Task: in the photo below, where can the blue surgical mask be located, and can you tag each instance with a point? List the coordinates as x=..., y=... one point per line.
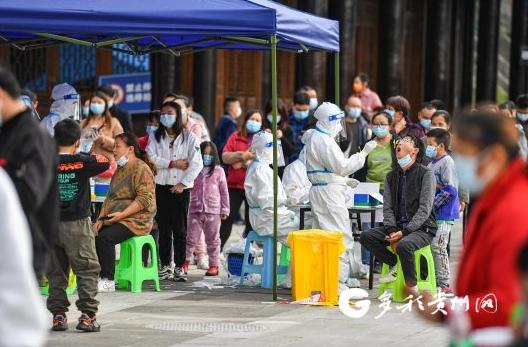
x=380, y=130
x=208, y=160
x=151, y=129
x=85, y=111
x=523, y=117
x=403, y=162
x=97, y=108
x=110, y=103
x=270, y=118
x=431, y=151
x=354, y=112
x=313, y=103
x=168, y=120
x=300, y=115
x=390, y=112
x=425, y=123
x=466, y=169
x=253, y=126
x=122, y=161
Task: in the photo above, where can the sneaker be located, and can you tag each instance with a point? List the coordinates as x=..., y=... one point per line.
x=179, y=275
x=212, y=271
x=365, y=270
x=390, y=277
x=185, y=267
x=106, y=286
x=448, y=293
x=88, y=324
x=202, y=264
x=166, y=273
x=60, y=323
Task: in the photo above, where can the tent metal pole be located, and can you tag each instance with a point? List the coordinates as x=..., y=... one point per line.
x=66, y=39
x=119, y=40
x=250, y=40
x=336, y=77
x=273, y=42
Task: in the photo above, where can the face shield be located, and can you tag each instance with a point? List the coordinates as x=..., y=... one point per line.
x=67, y=106
x=262, y=146
x=338, y=123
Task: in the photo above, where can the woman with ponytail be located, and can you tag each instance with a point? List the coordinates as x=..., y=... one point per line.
x=129, y=207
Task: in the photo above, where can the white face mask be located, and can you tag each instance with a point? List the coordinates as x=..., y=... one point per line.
x=313, y=103
x=238, y=112
x=122, y=161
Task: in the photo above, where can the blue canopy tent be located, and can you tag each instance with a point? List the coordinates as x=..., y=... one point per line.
x=175, y=27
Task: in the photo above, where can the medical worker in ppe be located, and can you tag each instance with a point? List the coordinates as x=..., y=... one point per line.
x=66, y=104
x=259, y=192
x=297, y=186
x=328, y=170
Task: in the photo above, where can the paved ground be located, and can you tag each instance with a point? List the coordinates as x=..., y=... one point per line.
x=180, y=315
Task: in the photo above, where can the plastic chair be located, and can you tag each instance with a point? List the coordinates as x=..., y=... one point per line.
x=284, y=260
x=424, y=284
x=266, y=268
x=70, y=290
x=130, y=268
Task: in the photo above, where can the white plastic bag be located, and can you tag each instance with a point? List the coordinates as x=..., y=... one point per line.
x=354, y=257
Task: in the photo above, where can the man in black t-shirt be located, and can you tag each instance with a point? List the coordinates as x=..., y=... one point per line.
x=75, y=246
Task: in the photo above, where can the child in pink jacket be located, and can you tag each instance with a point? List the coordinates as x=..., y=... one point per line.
x=208, y=207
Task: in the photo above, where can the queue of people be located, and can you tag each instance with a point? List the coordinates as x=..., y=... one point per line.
x=190, y=190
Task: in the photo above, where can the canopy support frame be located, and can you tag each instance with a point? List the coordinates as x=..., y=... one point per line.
x=274, y=97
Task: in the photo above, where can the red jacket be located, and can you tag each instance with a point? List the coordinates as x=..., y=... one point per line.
x=236, y=143
x=496, y=231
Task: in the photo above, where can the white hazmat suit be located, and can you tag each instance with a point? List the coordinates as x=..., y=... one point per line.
x=66, y=104
x=259, y=192
x=328, y=170
x=297, y=186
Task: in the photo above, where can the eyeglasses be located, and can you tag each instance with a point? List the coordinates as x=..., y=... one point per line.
x=380, y=125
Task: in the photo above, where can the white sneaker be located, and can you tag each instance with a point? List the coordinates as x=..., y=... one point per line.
x=166, y=273
x=105, y=286
x=203, y=264
x=179, y=275
x=390, y=277
x=365, y=271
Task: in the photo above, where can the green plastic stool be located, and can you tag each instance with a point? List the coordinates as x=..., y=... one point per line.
x=284, y=260
x=397, y=286
x=70, y=290
x=130, y=269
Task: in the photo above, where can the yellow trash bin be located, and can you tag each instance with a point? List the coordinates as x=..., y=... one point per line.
x=315, y=263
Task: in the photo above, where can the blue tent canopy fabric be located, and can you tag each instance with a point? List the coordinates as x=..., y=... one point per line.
x=296, y=27
x=157, y=24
